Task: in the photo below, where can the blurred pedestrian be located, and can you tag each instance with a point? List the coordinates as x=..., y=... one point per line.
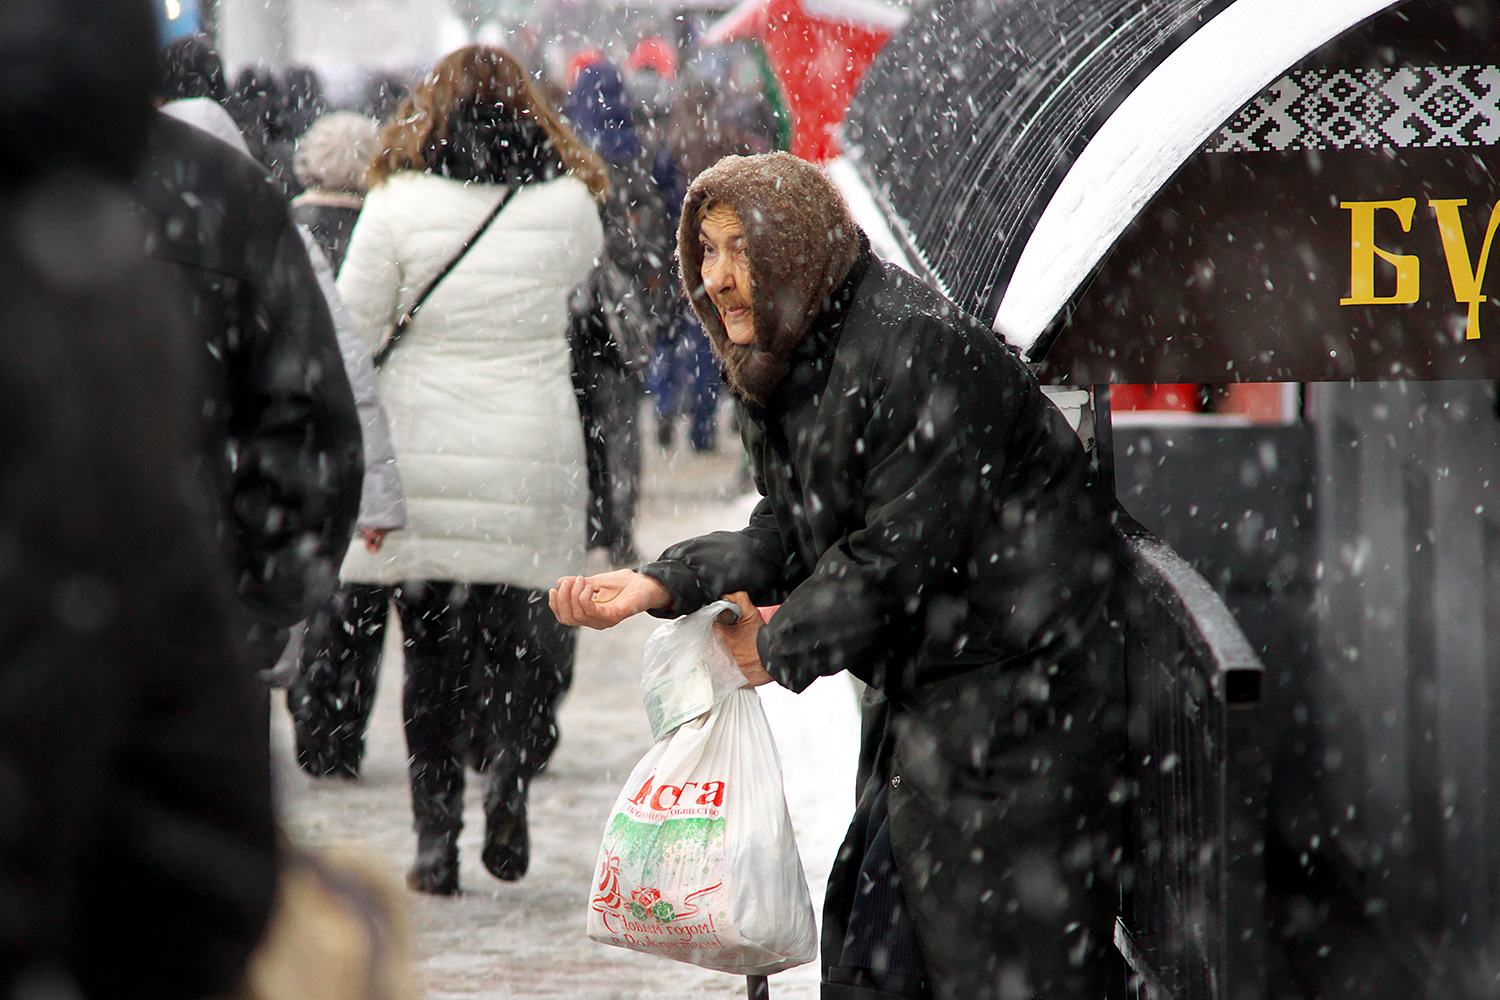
x=302, y=90
x=383, y=93
x=331, y=160
x=332, y=691
x=330, y=698
x=281, y=442
x=293, y=103
x=252, y=103
x=330, y=701
x=700, y=134
x=190, y=68
x=684, y=377
x=137, y=852
x=481, y=218
x=618, y=314
x=650, y=70
x=930, y=523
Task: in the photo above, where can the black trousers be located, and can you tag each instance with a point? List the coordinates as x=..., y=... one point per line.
x=486, y=667
x=609, y=403
x=331, y=699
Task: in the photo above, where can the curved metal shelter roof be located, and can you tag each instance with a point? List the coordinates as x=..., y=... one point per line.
x=1010, y=144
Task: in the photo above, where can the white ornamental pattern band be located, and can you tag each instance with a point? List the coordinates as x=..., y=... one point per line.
x=1409, y=107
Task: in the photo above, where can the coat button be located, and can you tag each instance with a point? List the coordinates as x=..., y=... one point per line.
x=895, y=781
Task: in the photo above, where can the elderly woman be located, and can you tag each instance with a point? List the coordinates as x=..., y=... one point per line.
x=928, y=523
x=486, y=432
x=331, y=160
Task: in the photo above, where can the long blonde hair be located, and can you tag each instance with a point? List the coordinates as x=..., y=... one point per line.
x=474, y=76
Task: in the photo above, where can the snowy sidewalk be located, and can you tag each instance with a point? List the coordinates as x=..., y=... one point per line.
x=500, y=941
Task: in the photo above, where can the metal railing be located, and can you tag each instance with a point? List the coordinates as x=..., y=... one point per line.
x=1192, y=920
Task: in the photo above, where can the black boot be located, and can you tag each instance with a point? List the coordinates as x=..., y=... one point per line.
x=507, y=842
x=435, y=872
x=437, y=811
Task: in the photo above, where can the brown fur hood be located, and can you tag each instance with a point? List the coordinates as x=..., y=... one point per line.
x=801, y=242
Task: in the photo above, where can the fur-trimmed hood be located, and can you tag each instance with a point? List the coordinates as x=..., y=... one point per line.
x=800, y=241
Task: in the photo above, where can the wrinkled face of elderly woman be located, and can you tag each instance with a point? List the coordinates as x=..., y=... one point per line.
x=726, y=272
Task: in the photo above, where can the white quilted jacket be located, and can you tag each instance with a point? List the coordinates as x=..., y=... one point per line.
x=482, y=413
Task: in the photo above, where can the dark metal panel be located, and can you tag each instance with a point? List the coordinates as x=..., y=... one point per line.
x=1489, y=883
x=1423, y=770
x=1460, y=674
x=1378, y=552
x=1410, y=632
x=1193, y=925
x=1235, y=501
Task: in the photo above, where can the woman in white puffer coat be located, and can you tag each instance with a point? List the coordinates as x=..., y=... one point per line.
x=487, y=435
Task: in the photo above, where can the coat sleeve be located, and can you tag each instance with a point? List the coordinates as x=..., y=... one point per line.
x=382, y=502
x=299, y=469
x=701, y=570
x=370, y=279
x=968, y=464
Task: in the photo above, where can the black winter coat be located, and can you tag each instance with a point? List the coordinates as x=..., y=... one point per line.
x=930, y=524
x=282, y=449
x=330, y=225
x=136, y=827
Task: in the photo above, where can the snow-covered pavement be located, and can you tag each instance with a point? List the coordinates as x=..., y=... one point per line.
x=500, y=940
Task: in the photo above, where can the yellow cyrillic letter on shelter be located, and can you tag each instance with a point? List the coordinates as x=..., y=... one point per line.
x=1466, y=280
x=1363, y=251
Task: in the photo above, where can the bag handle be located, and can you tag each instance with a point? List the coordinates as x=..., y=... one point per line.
x=399, y=331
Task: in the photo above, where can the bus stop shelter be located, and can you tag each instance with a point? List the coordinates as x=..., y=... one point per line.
x=1219, y=191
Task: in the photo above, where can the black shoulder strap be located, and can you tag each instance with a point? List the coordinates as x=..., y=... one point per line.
x=405, y=321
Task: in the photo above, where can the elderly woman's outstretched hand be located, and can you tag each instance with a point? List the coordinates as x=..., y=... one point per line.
x=606, y=599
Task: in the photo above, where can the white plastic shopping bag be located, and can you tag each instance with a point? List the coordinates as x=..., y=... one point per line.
x=698, y=862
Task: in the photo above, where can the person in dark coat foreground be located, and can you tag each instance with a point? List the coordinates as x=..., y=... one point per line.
x=929, y=523
x=137, y=839
x=137, y=852
x=282, y=446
